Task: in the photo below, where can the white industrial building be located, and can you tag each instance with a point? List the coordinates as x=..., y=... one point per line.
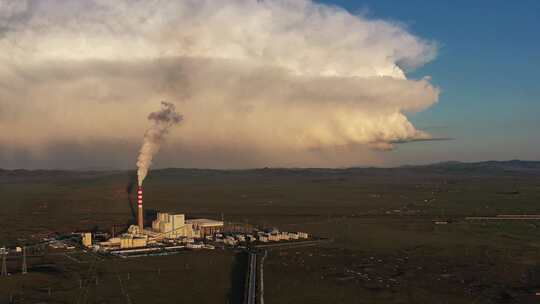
x=173, y=226
x=176, y=226
x=133, y=238
x=206, y=226
x=87, y=239
x=125, y=241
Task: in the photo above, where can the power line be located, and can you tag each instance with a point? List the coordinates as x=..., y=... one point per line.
x=24, y=266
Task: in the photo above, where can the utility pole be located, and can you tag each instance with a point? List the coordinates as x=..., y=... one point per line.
x=4, y=266
x=24, y=267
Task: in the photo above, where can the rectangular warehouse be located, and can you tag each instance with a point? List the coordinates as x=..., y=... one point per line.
x=206, y=226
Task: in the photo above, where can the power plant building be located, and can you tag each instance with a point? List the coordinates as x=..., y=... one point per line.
x=165, y=226
x=173, y=226
x=205, y=226
x=125, y=241
x=87, y=239
x=129, y=241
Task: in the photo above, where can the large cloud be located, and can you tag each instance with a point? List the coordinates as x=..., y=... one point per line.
x=274, y=81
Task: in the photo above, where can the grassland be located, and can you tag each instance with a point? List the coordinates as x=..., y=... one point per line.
x=385, y=249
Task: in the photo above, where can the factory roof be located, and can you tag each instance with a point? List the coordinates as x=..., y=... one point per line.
x=204, y=222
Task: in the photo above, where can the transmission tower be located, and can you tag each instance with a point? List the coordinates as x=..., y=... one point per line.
x=4, y=267
x=24, y=268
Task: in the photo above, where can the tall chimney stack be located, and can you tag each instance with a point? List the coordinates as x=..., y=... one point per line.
x=140, y=217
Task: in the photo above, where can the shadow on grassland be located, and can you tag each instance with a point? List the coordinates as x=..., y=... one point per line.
x=129, y=189
x=238, y=278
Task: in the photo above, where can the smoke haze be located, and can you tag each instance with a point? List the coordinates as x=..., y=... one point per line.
x=162, y=121
x=280, y=83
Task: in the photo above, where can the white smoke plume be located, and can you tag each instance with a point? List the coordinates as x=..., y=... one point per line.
x=162, y=121
x=264, y=83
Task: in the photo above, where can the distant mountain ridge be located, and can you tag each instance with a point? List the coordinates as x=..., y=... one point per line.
x=513, y=162
x=486, y=167
x=509, y=166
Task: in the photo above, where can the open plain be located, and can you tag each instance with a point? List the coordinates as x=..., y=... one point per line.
x=397, y=235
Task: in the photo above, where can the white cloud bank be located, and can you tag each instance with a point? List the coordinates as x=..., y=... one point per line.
x=275, y=81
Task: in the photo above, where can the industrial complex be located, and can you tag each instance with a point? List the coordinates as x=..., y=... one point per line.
x=170, y=233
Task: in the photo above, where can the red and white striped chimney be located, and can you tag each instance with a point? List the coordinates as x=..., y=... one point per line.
x=140, y=217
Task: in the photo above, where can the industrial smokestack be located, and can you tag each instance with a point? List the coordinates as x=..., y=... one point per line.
x=162, y=121
x=140, y=216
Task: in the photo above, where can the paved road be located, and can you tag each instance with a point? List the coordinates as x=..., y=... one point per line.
x=261, y=279
x=252, y=280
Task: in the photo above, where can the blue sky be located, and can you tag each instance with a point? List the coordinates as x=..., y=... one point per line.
x=487, y=68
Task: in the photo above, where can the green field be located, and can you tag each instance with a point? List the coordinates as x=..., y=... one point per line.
x=385, y=248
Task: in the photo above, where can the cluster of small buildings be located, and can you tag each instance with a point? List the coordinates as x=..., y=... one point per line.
x=275, y=235
x=271, y=235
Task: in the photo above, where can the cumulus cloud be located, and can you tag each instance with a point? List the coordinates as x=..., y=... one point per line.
x=280, y=82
